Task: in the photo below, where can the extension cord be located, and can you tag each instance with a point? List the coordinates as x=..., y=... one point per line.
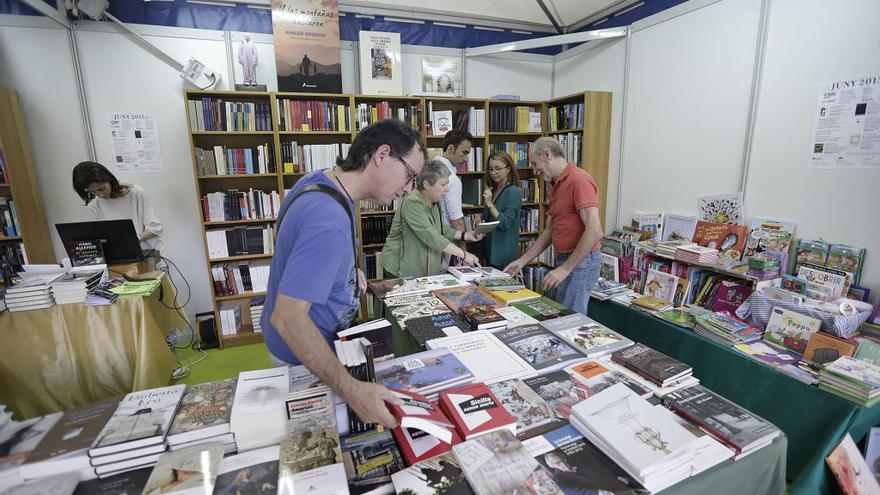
x=178, y=373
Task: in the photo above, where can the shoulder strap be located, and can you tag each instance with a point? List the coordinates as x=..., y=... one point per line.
x=333, y=193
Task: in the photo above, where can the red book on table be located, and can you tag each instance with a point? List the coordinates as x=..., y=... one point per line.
x=474, y=410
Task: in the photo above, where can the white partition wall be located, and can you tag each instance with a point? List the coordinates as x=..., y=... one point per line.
x=811, y=43
x=524, y=74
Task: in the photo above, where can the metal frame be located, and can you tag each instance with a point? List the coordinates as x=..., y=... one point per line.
x=755, y=95
x=562, y=39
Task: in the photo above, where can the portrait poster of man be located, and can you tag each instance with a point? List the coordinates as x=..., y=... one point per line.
x=307, y=55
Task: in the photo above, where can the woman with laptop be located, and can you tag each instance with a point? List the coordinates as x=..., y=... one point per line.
x=108, y=199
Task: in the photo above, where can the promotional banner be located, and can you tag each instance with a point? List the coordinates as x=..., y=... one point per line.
x=306, y=36
x=380, y=63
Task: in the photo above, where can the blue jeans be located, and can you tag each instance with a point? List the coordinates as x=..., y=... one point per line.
x=574, y=291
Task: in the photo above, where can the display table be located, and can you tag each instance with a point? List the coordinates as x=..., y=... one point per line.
x=70, y=355
x=762, y=472
x=814, y=421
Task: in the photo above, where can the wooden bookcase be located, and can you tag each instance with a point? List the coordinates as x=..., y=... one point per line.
x=596, y=136
x=22, y=187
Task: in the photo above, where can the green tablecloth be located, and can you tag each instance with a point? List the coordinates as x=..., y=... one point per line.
x=814, y=421
x=760, y=473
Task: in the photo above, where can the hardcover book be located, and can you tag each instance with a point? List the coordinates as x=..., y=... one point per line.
x=482, y=317
x=770, y=236
x=532, y=413
x=458, y=298
x=425, y=328
x=204, y=411
x=660, y=285
x=542, y=308
x=651, y=364
x=141, y=419
x=425, y=373
x=485, y=356
x=497, y=463
x=370, y=459
x=515, y=317
x=440, y=475
x=849, y=467
x=188, y=470
x=129, y=483
x=790, y=329
x=728, y=239
x=587, y=336
x=824, y=348
x=730, y=295
x=475, y=410
x=513, y=296
x=597, y=378
x=838, y=280
x=679, y=228
x=540, y=348
x=249, y=472
x=650, y=222
x=721, y=208
x=560, y=390
x=578, y=466
x=609, y=269
x=417, y=412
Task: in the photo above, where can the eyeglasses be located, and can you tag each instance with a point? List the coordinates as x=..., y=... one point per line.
x=497, y=169
x=410, y=172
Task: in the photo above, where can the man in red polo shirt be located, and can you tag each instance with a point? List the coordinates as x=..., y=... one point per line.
x=573, y=226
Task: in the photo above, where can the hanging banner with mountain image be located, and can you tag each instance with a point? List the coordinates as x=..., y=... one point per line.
x=307, y=56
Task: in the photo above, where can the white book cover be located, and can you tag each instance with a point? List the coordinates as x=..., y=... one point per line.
x=488, y=359
x=189, y=471
x=442, y=122
x=587, y=336
x=679, y=227
x=644, y=435
x=649, y=222
x=660, y=285
x=141, y=415
x=257, y=467
x=311, y=462
x=610, y=268
x=515, y=317
x=381, y=70
x=258, y=417
x=473, y=419
x=721, y=208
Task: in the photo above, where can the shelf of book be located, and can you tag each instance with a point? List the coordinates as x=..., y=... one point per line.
x=565, y=131
x=536, y=134
x=240, y=258
x=376, y=213
x=722, y=270
x=239, y=222
x=315, y=133
x=235, y=176
x=244, y=295
x=232, y=133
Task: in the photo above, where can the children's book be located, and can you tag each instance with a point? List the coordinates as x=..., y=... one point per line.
x=790, y=329
x=721, y=208
x=679, y=227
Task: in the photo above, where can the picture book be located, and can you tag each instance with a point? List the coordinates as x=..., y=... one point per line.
x=868, y=350
x=424, y=307
x=540, y=348
x=651, y=364
x=790, y=329
x=425, y=328
x=512, y=296
x=837, y=280
x=497, y=463
x=609, y=269
x=542, y=308
x=650, y=222
x=204, y=411
x=439, y=475
x=142, y=418
x=824, y=348
x=311, y=459
x=678, y=317
x=475, y=410
x=721, y=208
x=469, y=295
x=578, y=466
x=185, y=469
x=248, y=471
x=794, y=284
x=679, y=227
x=660, y=285
x=425, y=370
x=730, y=295
x=769, y=236
x=768, y=353
x=532, y=413
x=587, y=336
x=728, y=239
x=850, y=469
x=846, y=259
x=369, y=459
x=560, y=390
x=597, y=378
x=128, y=483
x=815, y=252
x=418, y=299
x=485, y=356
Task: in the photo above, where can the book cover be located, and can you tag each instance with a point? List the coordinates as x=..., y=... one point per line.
x=824, y=348
x=311, y=462
x=403, y=286
x=678, y=317
x=185, y=470
x=651, y=303
x=532, y=413
x=440, y=475
x=679, y=228
x=653, y=365
x=427, y=369
x=425, y=328
x=130, y=483
x=417, y=412
x=560, y=390
x=380, y=66
x=538, y=347
x=251, y=472
x=849, y=467
x=205, y=408
x=839, y=281
x=75, y=431
x=872, y=452
x=650, y=222
x=769, y=236
x=485, y=356
x=587, y=336
x=20, y=438
x=370, y=459
x=465, y=272
x=481, y=317
x=730, y=295
x=721, y=418
x=771, y=354
x=474, y=410
x=442, y=122
x=499, y=282
x=597, y=378
x=790, y=329
x=578, y=466
x=310, y=410
x=515, y=317
x=497, y=463
x=512, y=296
x=423, y=307
x=609, y=269
x=728, y=239
x=457, y=298
x=721, y=208
x=140, y=416
x=542, y=308
x=307, y=55
x=660, y=285
x=418, y=299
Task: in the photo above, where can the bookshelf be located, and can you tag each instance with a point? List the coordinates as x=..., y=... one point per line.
x=295, y=150
x=19, y=185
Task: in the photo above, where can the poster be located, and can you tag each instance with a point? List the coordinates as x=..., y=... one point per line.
x=380, y=63
x=135, y=140
x=846, y=133
x=441, y=75
x=307, y=56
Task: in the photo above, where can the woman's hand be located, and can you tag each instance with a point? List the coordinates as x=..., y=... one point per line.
x=472, y=236
x=487, y=198
x=471, y=259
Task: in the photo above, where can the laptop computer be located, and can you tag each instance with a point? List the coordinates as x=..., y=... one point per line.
x=117, y=238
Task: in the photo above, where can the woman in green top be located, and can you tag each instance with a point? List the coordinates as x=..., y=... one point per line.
x=503, y=203
x=418, y=238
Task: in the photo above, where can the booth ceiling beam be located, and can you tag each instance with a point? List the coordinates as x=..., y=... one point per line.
x=48, y=11
x=562, y=39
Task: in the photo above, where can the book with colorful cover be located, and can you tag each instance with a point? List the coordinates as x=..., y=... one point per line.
x=678, y=317
x=790, y=329
x=768, y=353
x=721, y=208
x=824, y=348
x=475, y=410
x=532, y=413
x=497, y=463
x=310, y=459
x=512, y=296
x=660, y=285
x=200, y=463
x=417, y=412
x=560, y=390
x=425, y=307
x=141, y=419
x=440, y=475
x=578, y=466
x=838, y=280
x=248, y=472
x=730, y=295
x=542, y=308
x=868, y=350
x=370, y=458
x=794, y=284
x=769, y=236
x=425, y=328
x=651, y=364
x=482, y=317
x=586, y=335
x=679, y=227
x=652, y=303
x=728, y=239
x=515, y=317
x=403, y=286
x=609, y=269
x=418, y=299
x=650, y=222
x=850, y=469
x=458, y=298
x=598, y=377
x=501, y=282
x=539, y=347
x=425, y=370
x=204, y=411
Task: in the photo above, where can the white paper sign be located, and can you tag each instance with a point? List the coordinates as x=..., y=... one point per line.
x=135, y=139
x=846, y=133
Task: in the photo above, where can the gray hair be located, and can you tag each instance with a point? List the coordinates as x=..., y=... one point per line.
x=431, y=173
x=547, y=143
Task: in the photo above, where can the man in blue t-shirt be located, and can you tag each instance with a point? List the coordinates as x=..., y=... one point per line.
x=314, y=284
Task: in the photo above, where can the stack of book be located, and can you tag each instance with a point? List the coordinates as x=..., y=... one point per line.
x=424, y=430
x=651, y=304
x=75, y=286
x=653, y=365
x=357, y=357
x=606, y=289
x=858, y=381
x=101, y=295
x=134, y=437
x=644, y=440
x=670, y=248
x=482, y=317
x=258, y=418
x=256, y=308
x=230, y=318
x=505, y=282
x=30, y=293
x=695, y=254
x=427, y=373
x=203, y=416
x=723, y=328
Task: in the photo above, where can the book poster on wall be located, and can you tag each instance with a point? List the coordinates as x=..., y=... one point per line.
x=380, y=63
x=135, y=140
x=441, y=75
x=306, y=34
x=846, y=133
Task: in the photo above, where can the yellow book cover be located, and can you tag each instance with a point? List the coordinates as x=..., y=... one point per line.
x=341, y=112
x=512, y=296
x=652, y=303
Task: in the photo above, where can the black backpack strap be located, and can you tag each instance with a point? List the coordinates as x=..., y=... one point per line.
x=333, y=193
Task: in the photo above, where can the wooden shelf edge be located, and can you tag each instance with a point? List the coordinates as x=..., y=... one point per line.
x=239, y=258
x=237, y=176
x=245, y=295
x=238, y=222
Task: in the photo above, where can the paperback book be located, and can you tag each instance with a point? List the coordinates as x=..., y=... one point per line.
x=515, y=317
x=824, y=348
x=849, y=467
x=258, y=414
x=651, y=364
x=426, y=373
x=141, y=419
x=485, y=356
x=189, y=470
x=475, y=410
x=427, y=306
x=370, y=458
x=440, y=475
x=458, y=298
x=597, y=378
x=425, y=328
x=129, y=483
x=541, y=349
x=249, y=472
x=204, y=412
x=679, y=227
x=560, y=390
x=311, y=462
x=542, y=308
x=590, y=338
x=532, y=413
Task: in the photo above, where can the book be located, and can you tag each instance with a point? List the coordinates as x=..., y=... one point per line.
x=770, y=236
x=425, y=328
x=440, y=475
x=378, y=332
x=650, y=222
x=538, y=347
x=542, y=308
x=258, y=416
x=442, y=122
x=679, y=227
x=475, y=410
x=403, y=286
x=254, y=471
x=824, y=348
x=485, y=356
x=651, y=364
x=369, y=459
x=424, y=306
x=189, y=470
x=597, y=378
x=418, y=445
x=426, y=373
x=587, y=336
x=730, y=295
x=609, y=268
x=660, y=285
x=678, y=317
x=311, y=461
x=560, y=390
x=850, y=469
x=768, y=353
x=129, y=483
x=380, y=68
x=515, y=317
x=790, y=329
x=310, y=410
x=204, y=412
x=721, y=208
x=498, y=463
x=458, y=298
x=578, y=466
x=18, y=439
x=63, y=484
x=514, y=296
x=417, y=412
x=465, y=273
x=652, y=303
x=838, y=281
x=482, y=317
x=728, y=239
x=532, y=413
x=500, y=282
x=872, y=452
x=141, y=419
x=724, y=420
